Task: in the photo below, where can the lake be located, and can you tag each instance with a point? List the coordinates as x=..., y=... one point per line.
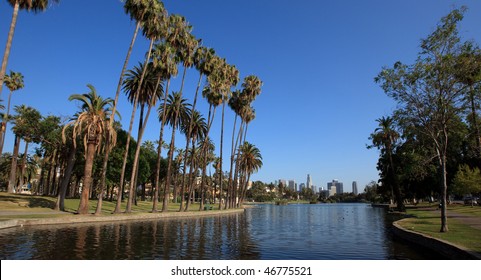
x=266, y=232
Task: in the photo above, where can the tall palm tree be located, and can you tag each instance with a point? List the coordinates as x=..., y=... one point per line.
x=154, y=27
x=385, y=138
x=137, y=9
x=29, y=5
x=177, y=112
x=250, y=161
x=25, y=121
x=92, y=122
x=165, y=60
x=197, y=128
x=14, y=82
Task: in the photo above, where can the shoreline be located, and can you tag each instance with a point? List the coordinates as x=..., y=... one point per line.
x=91, y=218
x=442, y=247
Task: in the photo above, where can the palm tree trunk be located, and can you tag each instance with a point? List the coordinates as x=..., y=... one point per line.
x=13, y=167
x=187, y=144
x=23, y=164
x=117, y=93
x=103, y=178
x=6, y=54
x=159, y=154
x=60, y=205
x=230, y=189
x=4, y=123
x=87, y=181
x=133, y=177
x=221, y=146
x=169, y=167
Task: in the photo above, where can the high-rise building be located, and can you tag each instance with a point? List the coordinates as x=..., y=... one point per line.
x=354, y=188
x=309, y=182
x=292, y=185
x=335, y=183
x=301, y=186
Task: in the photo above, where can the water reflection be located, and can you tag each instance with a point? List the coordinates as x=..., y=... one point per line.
x=349, y=231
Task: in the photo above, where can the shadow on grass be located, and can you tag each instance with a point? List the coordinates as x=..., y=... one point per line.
x=29, y=201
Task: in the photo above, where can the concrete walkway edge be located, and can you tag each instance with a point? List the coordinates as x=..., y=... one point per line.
x=90, y=218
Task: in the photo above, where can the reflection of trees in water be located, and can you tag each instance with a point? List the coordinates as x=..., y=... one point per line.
x=219, y=237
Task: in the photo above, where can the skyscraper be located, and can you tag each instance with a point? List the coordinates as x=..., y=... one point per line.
x=309, y=182
x=354, y=188
x=292, y=185
x=335, y=183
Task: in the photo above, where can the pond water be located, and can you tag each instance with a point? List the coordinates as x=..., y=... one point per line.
x=267, y=232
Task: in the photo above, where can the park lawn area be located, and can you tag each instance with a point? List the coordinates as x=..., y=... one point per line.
x=30, y=206
x=429, y=222
x=466, y=210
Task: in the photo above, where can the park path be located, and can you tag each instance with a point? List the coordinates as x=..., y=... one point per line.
x=469, y=220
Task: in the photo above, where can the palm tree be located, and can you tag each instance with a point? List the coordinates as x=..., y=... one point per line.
x=29, y=5
x=250, y=161
x=177, y=112
x=14, y=82
x=137, y=9
x=92, y=122
x=25, y=121
x=165, y=60
x=153, y=28
x=385, y=138
x=198, y=128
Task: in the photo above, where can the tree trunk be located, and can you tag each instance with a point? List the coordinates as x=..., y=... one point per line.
x=169, y=168
x=22, y=166
x=133, y=176
x=60, y=205
x=6, y=54
x=87, y=181
x=103, y=178
x=13, y=167
x=444, y=189
x=221, y=145
x=117, y=93
x=159, y=155
x=188, y=136
x=4, y=123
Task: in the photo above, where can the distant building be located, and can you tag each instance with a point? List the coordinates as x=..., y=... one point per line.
x=301, y=186
x=291, y=184
x=309, y=182
x=339, y=188
x=332, y=191
x=354, y=188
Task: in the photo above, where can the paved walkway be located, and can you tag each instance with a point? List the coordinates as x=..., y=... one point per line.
x=471, y=221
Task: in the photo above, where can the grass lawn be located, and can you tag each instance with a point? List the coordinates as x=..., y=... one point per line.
x=29, y=206
x=429, y=222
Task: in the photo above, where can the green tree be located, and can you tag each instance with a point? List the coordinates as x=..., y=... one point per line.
x=429, y=92
x=385, y=138
x=467, y=181
x=92, y=122
x=14, y=82
x=25, y=122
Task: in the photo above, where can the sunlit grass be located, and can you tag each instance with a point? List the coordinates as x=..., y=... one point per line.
x=429, y=222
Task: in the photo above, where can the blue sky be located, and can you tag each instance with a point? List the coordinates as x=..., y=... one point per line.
x=317, y=59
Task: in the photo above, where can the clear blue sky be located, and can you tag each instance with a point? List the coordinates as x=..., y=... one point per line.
x=317, y=60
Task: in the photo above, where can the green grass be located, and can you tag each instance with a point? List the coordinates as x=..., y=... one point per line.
x=429, y=222
x=29, y=206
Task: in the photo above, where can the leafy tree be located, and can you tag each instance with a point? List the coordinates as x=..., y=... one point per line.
x=429, y=92
x=467, y=181
x=91, y=122
x=14, y=82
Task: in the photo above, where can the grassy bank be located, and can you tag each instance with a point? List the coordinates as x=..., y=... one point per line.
x=428, y=221
x=21, y=206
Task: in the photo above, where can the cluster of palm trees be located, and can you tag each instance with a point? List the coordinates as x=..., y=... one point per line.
x=172, y=47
